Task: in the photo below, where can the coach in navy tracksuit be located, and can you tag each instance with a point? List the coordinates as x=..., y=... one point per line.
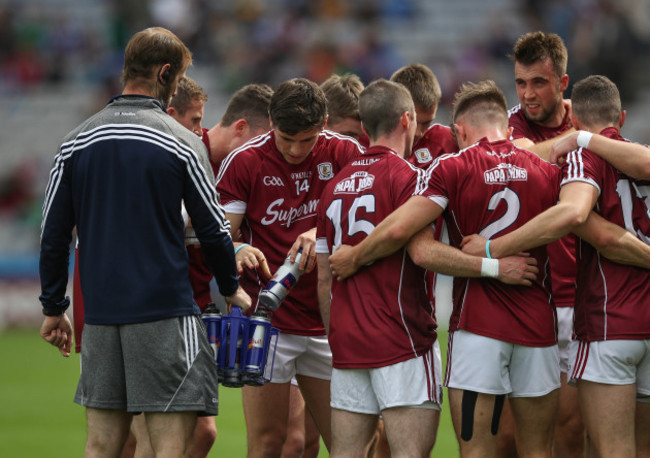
x=120, y=178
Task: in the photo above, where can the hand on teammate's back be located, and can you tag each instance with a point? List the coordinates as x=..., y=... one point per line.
x=518, y=270
x=342, y=263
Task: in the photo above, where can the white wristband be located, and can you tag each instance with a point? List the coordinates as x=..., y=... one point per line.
x=583, y=138
x=490, y=268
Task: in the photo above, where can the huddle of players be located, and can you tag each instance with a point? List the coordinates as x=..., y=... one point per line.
x=300, y=186
x=503, y=337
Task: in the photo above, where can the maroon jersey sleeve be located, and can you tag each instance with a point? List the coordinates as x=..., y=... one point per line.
x=236, y=174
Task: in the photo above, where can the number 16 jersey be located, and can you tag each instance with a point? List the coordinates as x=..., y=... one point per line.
x=381, y=315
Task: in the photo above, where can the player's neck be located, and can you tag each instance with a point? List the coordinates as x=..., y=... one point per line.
x=492, y=133
x=393, y=142
x=556, y=120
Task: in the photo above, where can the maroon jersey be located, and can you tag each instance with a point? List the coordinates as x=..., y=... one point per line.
x=522, y=128
x=492, y=189
x=437, y=140
x=200, y=274
x=279, y=201
x=562, y=251
x=612, y=300
x=364, y=141
x=381, y=315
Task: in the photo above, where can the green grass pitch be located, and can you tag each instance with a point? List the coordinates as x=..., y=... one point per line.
x=38, y=417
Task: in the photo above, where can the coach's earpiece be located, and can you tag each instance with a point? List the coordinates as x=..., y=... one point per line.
x=164, y=76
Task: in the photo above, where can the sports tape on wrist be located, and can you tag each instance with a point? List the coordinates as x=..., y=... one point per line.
x=583, y=138
x=490, y=268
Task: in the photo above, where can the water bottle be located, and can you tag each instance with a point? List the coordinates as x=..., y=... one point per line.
x=212, y=320
x=236, y=332
x=256, y=353
x=281, y=283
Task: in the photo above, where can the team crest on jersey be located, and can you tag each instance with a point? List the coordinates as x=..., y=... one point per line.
x=325, y=171
x=355, y=183
x=423, y=155
x=505, y=173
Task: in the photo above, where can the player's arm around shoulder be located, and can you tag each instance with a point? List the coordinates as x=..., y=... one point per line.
x=614, y=242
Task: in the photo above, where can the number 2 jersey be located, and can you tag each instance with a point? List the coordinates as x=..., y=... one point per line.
x=279, y=202
x=381, y=315
x=491, y=189
x=612, y=300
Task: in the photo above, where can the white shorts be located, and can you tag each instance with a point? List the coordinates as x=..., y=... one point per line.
x=416, y=382
x=564, y=335
x=613, y=362
x=304, y=355
x=491, y=366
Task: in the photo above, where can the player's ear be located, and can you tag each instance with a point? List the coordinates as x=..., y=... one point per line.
x=240, y=126
x=564, y=82
x=622, y=119
x=406, y=118
x=459, y=130
x=164, y=74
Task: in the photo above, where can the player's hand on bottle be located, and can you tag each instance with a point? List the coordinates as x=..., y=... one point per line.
x=306, y=241
x=563, y=146
x=474, y=244
x=342, y=263
x=57, y=330
x=518, y=270
x=240, y=299
x=249, y=257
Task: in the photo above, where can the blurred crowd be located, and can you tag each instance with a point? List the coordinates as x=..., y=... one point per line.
x=59, y=43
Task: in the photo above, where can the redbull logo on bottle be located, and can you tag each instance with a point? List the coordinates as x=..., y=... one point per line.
x=242, y=346
x=279, y=286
